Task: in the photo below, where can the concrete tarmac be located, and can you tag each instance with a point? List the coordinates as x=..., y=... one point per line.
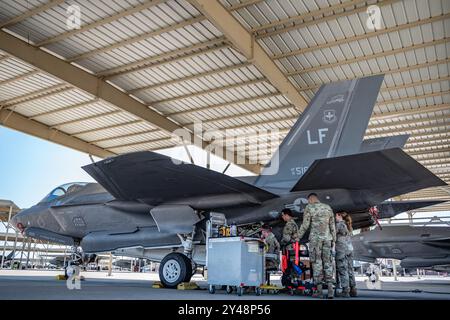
x=96, y=286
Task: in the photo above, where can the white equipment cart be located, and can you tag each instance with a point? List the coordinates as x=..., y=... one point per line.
x=235, y=262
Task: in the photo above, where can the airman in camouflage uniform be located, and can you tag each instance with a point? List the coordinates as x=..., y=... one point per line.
x=320, y=218
x=290, y=230
x=272, y=248
x=342, y=254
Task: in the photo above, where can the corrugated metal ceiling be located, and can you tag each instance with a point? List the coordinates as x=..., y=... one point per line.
x=170, y=57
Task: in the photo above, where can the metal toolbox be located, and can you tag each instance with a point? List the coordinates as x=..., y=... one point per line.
x=235, y=262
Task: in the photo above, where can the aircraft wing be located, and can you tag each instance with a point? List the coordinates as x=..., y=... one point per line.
x=389, y=209
x=379, y=175
x=155, y=179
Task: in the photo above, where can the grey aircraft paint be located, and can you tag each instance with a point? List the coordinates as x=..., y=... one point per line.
x=143, y=197
x=415, y=246
x=333, y=125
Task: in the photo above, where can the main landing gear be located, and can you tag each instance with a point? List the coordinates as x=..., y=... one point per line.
x=73, y=262
x=178, y=267
x=175, y=268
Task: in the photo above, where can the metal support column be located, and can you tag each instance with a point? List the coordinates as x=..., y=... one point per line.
x=410, y=217
x=28, y=253
x=21, y=252
x=6, y=236
x=46, y=249
x=14, y=250
x=33, y=261
x=110, y=265
x=65, y=256
x=394, y=269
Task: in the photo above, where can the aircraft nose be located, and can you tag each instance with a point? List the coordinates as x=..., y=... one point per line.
x=17, y=220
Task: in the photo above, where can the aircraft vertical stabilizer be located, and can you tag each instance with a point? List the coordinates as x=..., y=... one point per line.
x=332, y=125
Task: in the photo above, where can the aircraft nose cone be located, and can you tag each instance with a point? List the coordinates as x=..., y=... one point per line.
x=18, y=222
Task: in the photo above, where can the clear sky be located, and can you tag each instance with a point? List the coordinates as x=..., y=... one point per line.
x=31, y=167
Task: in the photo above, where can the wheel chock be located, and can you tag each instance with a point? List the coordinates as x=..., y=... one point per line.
x=270, y=287
x=187, y=286
x=63, y=277
x=157, y=285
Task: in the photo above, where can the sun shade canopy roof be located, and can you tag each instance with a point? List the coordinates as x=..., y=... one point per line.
x=136, y=70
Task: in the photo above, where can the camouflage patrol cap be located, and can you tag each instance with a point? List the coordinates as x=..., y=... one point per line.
x=312, y=194
x=286, y=211
x=265, y=226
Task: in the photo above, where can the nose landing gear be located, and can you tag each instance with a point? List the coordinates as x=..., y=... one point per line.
x=175, y=268
x=75, y=259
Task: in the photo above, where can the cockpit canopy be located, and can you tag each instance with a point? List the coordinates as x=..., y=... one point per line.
x=64, y=190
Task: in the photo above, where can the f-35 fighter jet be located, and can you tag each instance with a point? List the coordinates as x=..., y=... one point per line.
x=145, y=205
x=415, y=246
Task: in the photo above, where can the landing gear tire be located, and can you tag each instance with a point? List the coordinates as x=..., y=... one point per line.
x=189, y=274
x=175, y=268
x=66, y=276
x=211, y=289
x=69, y=270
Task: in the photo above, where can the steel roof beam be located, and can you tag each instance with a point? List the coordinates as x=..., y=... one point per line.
x=92, y=117
x=283, y=131
x=251, y=49
x=135, y=39
x=390, y=71
x=434, y=161
x=160, y=59
x=174, y=60
x=409, y=130
x=221, y=105
x=418, y=143
x=408, y=112
x=423, y=110
x=19, y=77
x=419, y=135
x=237, y=85
x=30, y=13
x=369, y=133
x=428, y=151
x=18, y=122
x=364, y=36
x=4, y=57
x=191, y=77
x=209, y=91
x=134, y=144
x=246, y=64
x=416, y=137
x=243, y=4
x=419, y=153
x=63, y=109
x=369, y=57
x=94, y=86
x=373, y=126
x=302, y=18
x=38, y=94
x=108, y=127
x=331, y=16
x=442, y=107
x=126, y=12
x=128, y=135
